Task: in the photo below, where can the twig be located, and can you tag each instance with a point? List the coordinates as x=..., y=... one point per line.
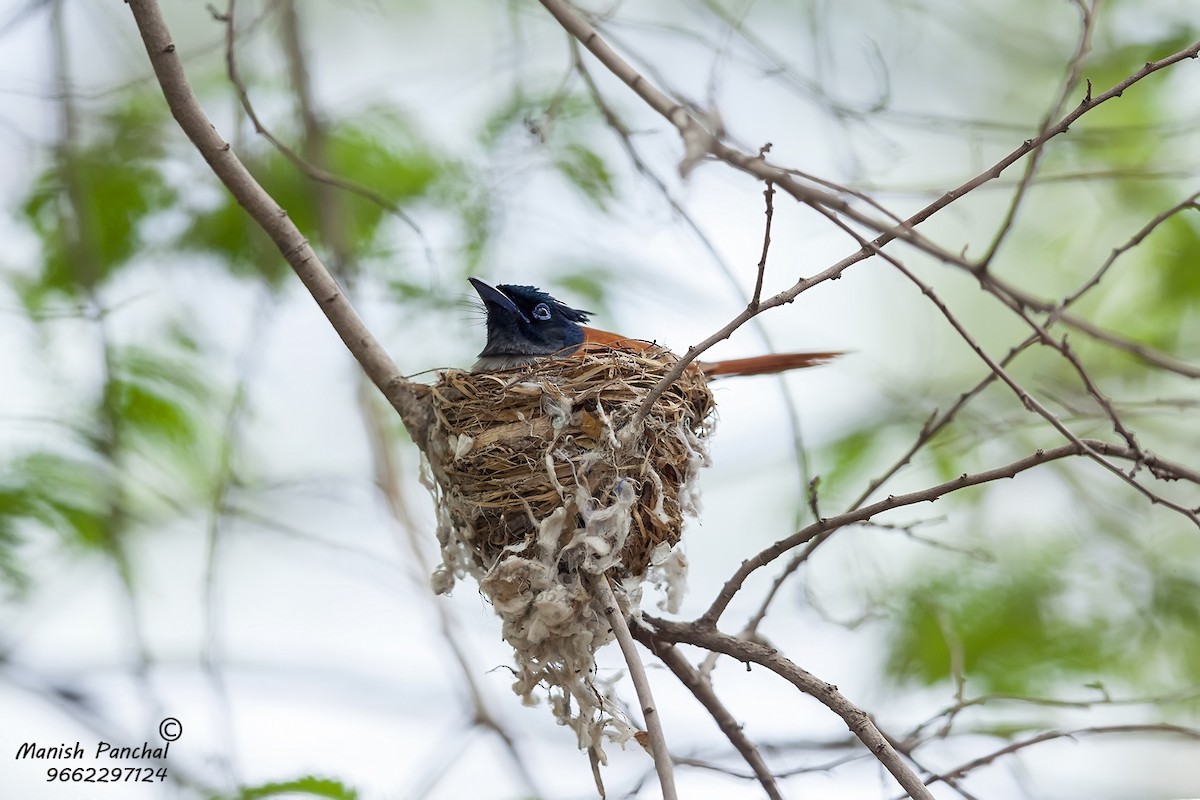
x=409, y=537
x=79, y=226
x=641, y=684
x=958, y=657
x=951, y=712
x=223, y=483
x=1082, y=48
x=856, y=719
x=957, y=772
x=331, y=224
x=769, y=194
x=1186, y=204
x=906, y=747
x=701, y=688
x=1027, y=399
x=618, y=127
x=1058, y=311
x=936, y=423
x=1164, y=469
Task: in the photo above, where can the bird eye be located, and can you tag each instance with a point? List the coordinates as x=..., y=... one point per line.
x=541, y=311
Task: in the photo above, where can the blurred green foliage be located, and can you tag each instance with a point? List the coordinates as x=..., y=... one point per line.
x=1010, y=620
x=308, y=786
x=1035, y=619
x=87, y=208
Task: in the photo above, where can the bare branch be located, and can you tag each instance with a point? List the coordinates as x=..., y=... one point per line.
x=1027, y=399
x=1164, y=470
x=856, y=719
x=637, y=672
x=950, y=712
x=618, y=127
x=1084, y=46
x=701, y=687
x=769, y=195
x=958, y=772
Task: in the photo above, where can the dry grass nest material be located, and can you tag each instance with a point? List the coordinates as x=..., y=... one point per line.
x=515, y=446
x=544, y=487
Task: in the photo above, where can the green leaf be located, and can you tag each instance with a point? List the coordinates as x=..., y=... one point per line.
x=1013, y=622
x=13, y=507
x=64, y=494
x=146, y=411
x=86, y=243
x=308, y=785
x=590, y=283
x=156, y=397
x=377, y=153
x=588, y=173
x=476, y=213
x=846, y=457
x=88, y=207
x=227, y=232
x=1177, y=248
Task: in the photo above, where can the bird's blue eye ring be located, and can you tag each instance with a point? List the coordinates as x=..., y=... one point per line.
x=541, y=311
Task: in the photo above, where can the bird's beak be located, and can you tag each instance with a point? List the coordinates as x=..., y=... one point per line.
x=493, y=297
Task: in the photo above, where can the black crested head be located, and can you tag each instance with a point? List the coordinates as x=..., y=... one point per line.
x=524, y=322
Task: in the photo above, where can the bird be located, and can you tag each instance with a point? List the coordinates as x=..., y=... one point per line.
x=525, y=325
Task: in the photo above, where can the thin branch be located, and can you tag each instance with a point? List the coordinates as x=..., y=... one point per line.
x=958, y=772
x=1058, y=311
x=1144, y=352
x=701, y=687
x=1186, y=204
x=856, y=719
x=1027, y=399
x=936, y=423
x=951, y=712
x=769, y=195
x=331, y=223
x=641, y=684
x=80, y=229
x=1074, y=68
x=622, y=132
x=409, y=539
x=223, y=482
x=906, y=748
x=1163, y=469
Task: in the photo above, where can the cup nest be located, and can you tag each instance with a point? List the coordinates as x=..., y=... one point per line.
x=516, y=445
x=544, y=484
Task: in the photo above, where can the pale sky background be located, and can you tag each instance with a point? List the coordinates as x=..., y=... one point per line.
x=333, y=661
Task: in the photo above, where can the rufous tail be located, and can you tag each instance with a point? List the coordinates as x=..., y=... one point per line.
x=764, y=365
x=759, y=365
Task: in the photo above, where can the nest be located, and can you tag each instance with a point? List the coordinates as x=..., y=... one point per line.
x=545, y=483
x=517, y=445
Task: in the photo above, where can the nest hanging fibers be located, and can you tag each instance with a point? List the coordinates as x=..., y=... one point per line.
x=540, y=484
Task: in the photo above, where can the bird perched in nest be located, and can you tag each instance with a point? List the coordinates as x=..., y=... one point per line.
x=524, y=324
